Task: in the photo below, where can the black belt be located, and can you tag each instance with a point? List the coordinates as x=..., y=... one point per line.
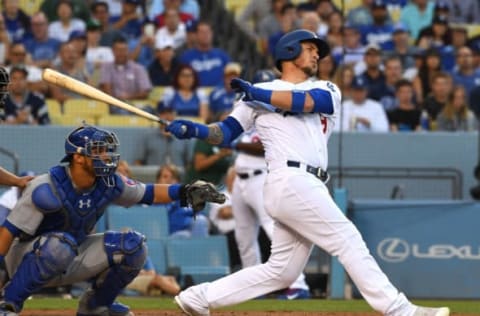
x=244, y=176
x=317, y=172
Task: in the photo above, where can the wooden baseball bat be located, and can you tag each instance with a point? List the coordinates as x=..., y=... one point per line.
x=61, y=80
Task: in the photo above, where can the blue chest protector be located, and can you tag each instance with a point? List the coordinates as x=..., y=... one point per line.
x=75, y=213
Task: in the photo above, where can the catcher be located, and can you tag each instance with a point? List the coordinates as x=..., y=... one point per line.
x=46, y=239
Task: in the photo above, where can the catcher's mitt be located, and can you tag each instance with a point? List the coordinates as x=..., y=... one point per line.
x=198, y=193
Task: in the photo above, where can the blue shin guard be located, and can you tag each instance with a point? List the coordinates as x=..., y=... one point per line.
x=51, y=255
x=126, y=254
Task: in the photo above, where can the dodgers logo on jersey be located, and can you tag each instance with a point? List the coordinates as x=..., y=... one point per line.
x=128, y=181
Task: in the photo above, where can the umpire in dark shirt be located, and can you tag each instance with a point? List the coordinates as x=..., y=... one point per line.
x=23, y=106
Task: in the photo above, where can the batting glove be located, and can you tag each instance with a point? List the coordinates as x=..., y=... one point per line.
x=184, y=129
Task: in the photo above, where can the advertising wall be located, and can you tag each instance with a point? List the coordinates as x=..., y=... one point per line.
x=428, y=249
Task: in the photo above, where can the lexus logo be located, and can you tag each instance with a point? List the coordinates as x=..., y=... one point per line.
x=393, y=250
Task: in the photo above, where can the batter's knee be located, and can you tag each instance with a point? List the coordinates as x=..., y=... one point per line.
x=283, y=272
x=54, y=253
x=126, y=249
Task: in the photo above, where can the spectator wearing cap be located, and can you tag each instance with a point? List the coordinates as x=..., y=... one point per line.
x=223, y=97
x=189, y=10
x=190, y=37
x=463, y=11
x=416, y=15
x=352, y=51
x=402, y=47
x=185, y=96
x=79, y=41
x=373, y=74
x=66, y=23
x=129, y=23
x=361, y=114
x=17, y=55
x=158, y=147
x=100, y=12
x=406, y=116
x=42, y=48
x=165, y=64
x=465, y=72
x=16, y=20
x=97, y=54
x=23, y=106
x=208, y=61
x=124, y=78
x=69, y=64
x=173, y=28
x=379, y=32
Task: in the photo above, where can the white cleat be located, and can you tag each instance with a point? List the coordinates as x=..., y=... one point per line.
x=190, y=303
x=429, y=311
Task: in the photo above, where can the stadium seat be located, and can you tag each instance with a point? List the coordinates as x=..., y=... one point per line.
x=156, y=94
x=152, y=221
x=157, y=252
x=124, y=120
x=85, y=108
x=54, y=110
x=204, y=259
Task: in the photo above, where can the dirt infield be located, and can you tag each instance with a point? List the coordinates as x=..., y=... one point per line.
x=217, y=313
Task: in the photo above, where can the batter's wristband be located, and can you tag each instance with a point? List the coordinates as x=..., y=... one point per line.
x=262, y=95
x=174, y=191
x=298, y=101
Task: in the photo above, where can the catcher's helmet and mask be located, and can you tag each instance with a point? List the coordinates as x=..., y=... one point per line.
x=99, y=145
x=289, y=46
x=4, y=81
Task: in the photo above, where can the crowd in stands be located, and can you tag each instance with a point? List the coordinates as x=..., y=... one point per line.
x=402, y=65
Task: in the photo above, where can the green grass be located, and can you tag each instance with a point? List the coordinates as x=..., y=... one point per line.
x=323, y=305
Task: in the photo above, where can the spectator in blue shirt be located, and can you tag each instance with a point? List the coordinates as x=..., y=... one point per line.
x=379, y=32
x=223, y=97
x=207, y=60
x=417, y=15
x=40, y=46
x=129, y=23
x=16, y=21
x=465, y=73
x=180, y=219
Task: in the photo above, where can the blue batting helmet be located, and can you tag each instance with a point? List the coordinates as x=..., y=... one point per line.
x=263, y=75
x=288, y=46
x=98, y=144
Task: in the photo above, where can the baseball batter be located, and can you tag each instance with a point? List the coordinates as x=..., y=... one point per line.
x=46, y=240
x=247, y=201
x=294, y=117
x=6, y=177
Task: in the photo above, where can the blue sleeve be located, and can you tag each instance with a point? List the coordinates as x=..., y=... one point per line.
x=149, y=194
x=322, y=101
x=231, y=129
x=148, y=264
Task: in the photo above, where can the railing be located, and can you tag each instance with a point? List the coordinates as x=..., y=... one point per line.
x=452, y=176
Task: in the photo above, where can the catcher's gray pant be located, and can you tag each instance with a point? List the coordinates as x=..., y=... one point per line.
x=90, y=261
x=249, y=212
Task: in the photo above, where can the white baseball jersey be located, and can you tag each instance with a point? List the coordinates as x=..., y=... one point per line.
x=301, y=137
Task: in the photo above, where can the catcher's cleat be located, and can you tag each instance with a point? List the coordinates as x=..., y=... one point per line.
x=8, y=309
x=429, y=311
x=116, y=309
